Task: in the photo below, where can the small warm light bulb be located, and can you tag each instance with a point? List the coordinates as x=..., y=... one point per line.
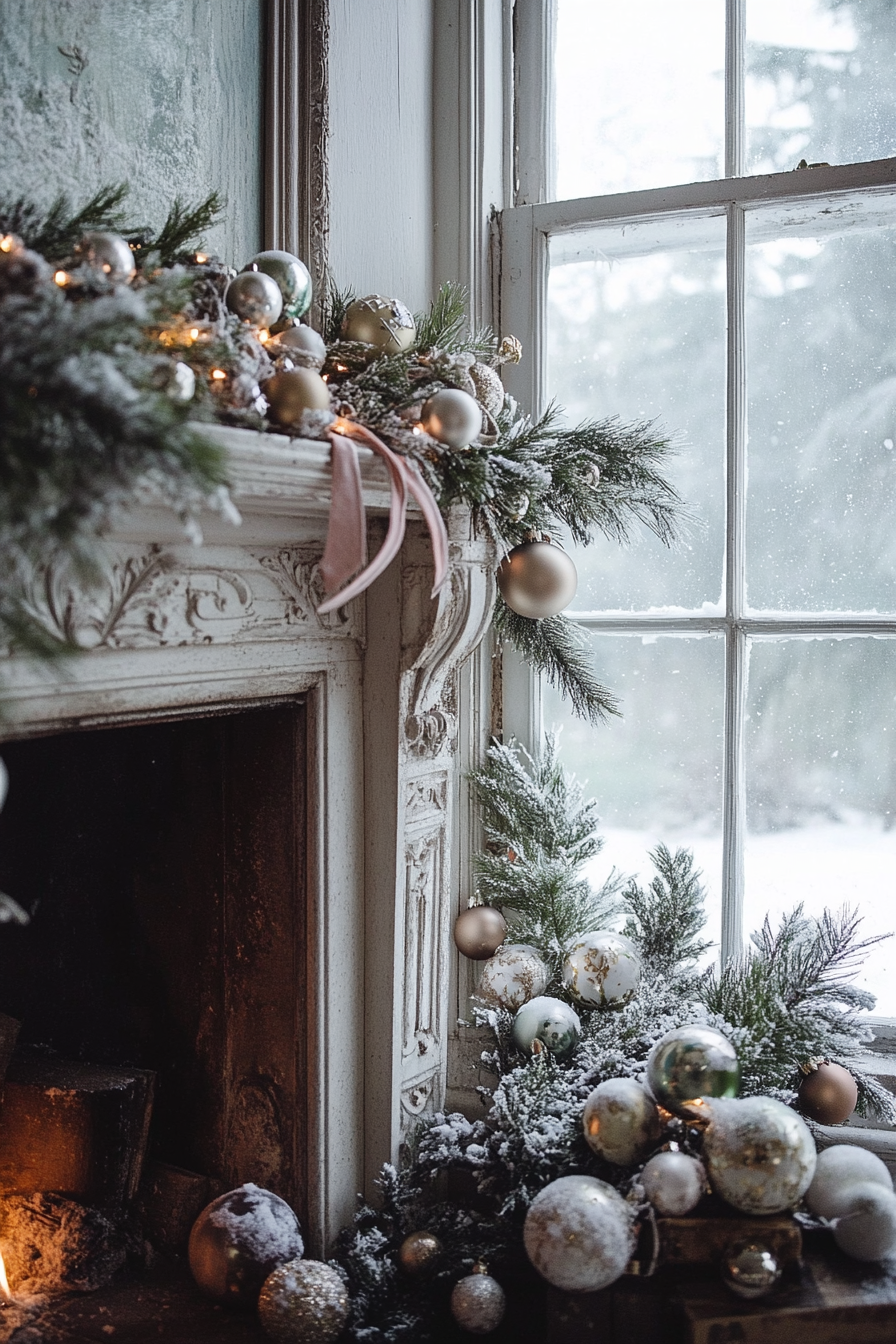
x=201, y=258
x=264, y=335
x=218, y=374
x=418, y=428
x=342, y=368
x=194, y=333
x=61, y=278
x=7, y=242
x=325, y=377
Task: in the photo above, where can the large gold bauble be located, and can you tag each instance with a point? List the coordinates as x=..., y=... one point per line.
x=828, y=1093
x=537, y=579
x=303, y=1302
x=385, y=323
x=479, y=932
x=293, y=392
x=419, y=1253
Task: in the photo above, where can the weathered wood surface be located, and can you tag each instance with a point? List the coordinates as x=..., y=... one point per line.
x=700, y=1241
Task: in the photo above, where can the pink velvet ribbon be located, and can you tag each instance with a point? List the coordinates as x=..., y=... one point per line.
x=346, y=535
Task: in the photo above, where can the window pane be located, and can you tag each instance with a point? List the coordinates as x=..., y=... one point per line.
x=821, y=787
x=636, y=328
x=639, y=94
x=819, y=82
x=656, y=772
x=821, y=381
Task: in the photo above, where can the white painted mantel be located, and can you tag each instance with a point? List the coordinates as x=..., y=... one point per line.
x=174, y=629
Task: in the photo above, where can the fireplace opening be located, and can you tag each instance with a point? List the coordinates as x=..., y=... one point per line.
x=160, y=984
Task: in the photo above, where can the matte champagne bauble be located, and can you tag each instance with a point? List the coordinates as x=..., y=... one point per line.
x=602, y=967
x=291, y=277
x=303, y=1302
x=515, y=974
x=750, y=1268
x=837, y=1169
x=293, y=392
x=674, y=1183
x=384, y=323
x=254, y=297
x=419, y=1253
x=620, y=1121
x=479, y=931
x=864, y=1219
x=107, y=252
x=690, y=1063
x=760, y=1154
x=549, y=1024
x=453, y=417
x=579, y=1234
x=537, y=579
x=303, y=345
x=828, y=1094
x=238, y=1240
x=478, y=1302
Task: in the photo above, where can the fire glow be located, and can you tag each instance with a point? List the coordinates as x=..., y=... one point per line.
x=5, y=1294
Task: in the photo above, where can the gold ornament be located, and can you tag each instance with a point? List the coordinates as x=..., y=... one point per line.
x=510, y=350
x=489, y=389
x=453, y=417
x=293, y=392
x=239, y=1239
x=828, y=1092
x=384, y=323
x=479, y=932
x=419, y=1254
x=478, y=1302
x=537, y=579
x=303, y=1302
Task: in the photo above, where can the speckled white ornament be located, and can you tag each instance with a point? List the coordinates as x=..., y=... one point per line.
x=837, y=1169
x=513, y=976
x=864, y=1219
x=760, y=1153
x=478, y=1302
x=303, y=1302
x=453, y=417
x=303, y=345
x=579, y=1234
x=551, y=1023
x=602, y=967
x=489, y=388
x=674, y=1183
x=620, y=1121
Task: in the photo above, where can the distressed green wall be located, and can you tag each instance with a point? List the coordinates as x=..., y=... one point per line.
x=165, y=94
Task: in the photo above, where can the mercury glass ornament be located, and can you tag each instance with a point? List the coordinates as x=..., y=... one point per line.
x=864, y=1220
x=674, y=1183
x=837, y=1169
x=760, y=1154
x=238, y=1240
x=107, y=252
x=478, y=1302
x=254, y=297
x=515, y=974
x=602, y=968
x=537, y=579
x=291, y=277
x=293, y=392
x=303, y=1302
x=419, y=1253
x=551, y=1022
x=689, y=1063
x=750, y=1268
x=452, y=416
x=488, y=387
x=579, y=1234
x=479, y=931
x=384, y=323
x=828, y=1093
x=303, y=345
x=620, y=1121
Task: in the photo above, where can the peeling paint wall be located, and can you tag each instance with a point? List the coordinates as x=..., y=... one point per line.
x=165, y=94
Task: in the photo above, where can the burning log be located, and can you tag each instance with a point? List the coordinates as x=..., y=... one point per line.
x=52, y=1244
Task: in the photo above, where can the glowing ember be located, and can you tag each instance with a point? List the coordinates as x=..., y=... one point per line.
x=4, y=1282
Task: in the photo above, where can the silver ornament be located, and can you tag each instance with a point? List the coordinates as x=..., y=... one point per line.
x=537, y=579
x=384, y=323
x=478, y=1302
x=303, y=345
x=620, y=1121
x=760, y=1153
x=838, y=1168
x=750, y=1268
x=488, y=388
x=291, y=277
x=254, y=297
x=303, y=1302
x=515, y=974
x=579, y=1234
x=549, y=1022
x=107, y=252
x=674, y=1183
x=864, y=1221
x=690, y=1063
x=453, y=417
x=602, y=967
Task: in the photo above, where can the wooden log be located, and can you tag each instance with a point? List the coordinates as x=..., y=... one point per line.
x=77, y=1130
x=703, y=1241
x=170, y=1201
x=51, y=1244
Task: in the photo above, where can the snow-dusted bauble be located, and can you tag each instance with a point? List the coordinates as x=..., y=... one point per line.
x=620, y=1121
x=537, y=579
x=478, y=1302
x=579, y=1234
x=837, y=1169
x=513, y=976
x=293, y=392
x=419, y=1253
x=674, y=1183
x=303, y=1302
x=107, y=252
x=453, y=417
x=750, y=1268
x=479, y=931
x=690, y=1063
x=239, y=1239
x=760, y=1154
x=602, y=967
x=384, y=323
x=488, y=386
x=182, y=383
x=864, y=1220
x=303, y=345
x=290, y=275
x=548, y=1023
x=254, y=297
x=828, y=1092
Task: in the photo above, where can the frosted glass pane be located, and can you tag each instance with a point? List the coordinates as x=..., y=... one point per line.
x=821, y=787
x=819, y=82
x=656, y=772
x=821, y=387
x=640, y=98
x=643, y=338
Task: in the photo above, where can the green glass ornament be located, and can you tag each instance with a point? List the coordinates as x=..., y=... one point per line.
x=690, y=1063
x=291, y=276
x=551, y=1023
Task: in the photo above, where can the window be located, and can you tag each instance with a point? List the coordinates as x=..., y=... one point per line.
x=752, y=310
